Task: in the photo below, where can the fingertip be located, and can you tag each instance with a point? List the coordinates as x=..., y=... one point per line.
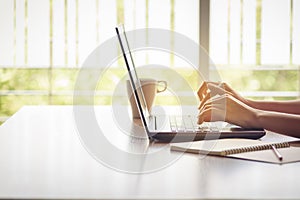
x=199, y=121
x=199, y=116
x=200, y=106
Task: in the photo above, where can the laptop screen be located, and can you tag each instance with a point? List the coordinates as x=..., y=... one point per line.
x=133, y=76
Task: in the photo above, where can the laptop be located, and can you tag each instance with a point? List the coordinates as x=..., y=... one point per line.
x=175, y=128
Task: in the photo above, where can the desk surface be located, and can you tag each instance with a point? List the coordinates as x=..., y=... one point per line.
x=43, y=156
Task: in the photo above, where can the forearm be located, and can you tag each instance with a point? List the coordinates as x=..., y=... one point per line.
x=292, y=107
x=288, y=124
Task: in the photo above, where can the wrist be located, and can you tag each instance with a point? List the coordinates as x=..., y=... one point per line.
x=251, y=103
x=258, y=118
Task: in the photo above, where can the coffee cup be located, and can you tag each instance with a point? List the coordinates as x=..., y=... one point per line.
x=150, y=88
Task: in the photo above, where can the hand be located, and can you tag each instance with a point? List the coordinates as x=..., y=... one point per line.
x=210, y=89
x=229, y=109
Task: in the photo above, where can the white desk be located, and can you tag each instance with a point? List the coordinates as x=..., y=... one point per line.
x=42, y=157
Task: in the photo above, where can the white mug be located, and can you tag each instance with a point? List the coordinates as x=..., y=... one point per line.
x=150, y=88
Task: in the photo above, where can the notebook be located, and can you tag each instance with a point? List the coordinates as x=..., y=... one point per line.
x=247, y=149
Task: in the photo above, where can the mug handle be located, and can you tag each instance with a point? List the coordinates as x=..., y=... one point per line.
x=164, y=88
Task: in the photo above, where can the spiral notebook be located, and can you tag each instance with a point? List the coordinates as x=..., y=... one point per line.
x=255, y=150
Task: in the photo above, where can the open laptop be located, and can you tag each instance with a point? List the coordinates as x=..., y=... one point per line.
x=175, y=128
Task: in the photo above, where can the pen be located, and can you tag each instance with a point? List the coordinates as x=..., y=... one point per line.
x=276, y=152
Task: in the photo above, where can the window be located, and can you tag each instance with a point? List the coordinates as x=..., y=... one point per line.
x=43, y=43
x=254, y=44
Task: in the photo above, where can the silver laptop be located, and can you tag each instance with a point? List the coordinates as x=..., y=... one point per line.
x=175, y=128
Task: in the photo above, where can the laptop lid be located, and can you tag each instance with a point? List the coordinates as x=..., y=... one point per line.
x=133, y=76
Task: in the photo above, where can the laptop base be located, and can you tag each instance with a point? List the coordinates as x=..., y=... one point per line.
x=167, y=137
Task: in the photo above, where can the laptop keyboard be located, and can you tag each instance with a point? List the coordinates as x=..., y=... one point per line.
x=188, y=123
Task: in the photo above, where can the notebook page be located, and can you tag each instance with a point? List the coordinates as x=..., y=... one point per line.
x=214, y=147
x=217, y=147
x=276, y=137
x=289, y=155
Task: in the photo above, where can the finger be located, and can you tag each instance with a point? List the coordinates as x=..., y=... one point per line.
x=212, y=101
x=213, y=90
x=216, y=89
x=202, y=91
x=211, y=115
x=219, y=100
x=218, y=113
x=213, y=95
x=204, y=100
x=222, y=85
x=206, y=107
x=215, y=106
x=203, y=116
x=208, y=115
x=204, y=104
x=205, y=87
x=210, y=89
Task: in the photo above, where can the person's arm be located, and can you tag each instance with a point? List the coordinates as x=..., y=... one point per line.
x=210, y=89
x=228, y=108
x=284, y=123
x=292, y=106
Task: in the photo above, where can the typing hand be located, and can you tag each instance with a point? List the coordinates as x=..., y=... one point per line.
x=229, y=109
x=208, y=90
